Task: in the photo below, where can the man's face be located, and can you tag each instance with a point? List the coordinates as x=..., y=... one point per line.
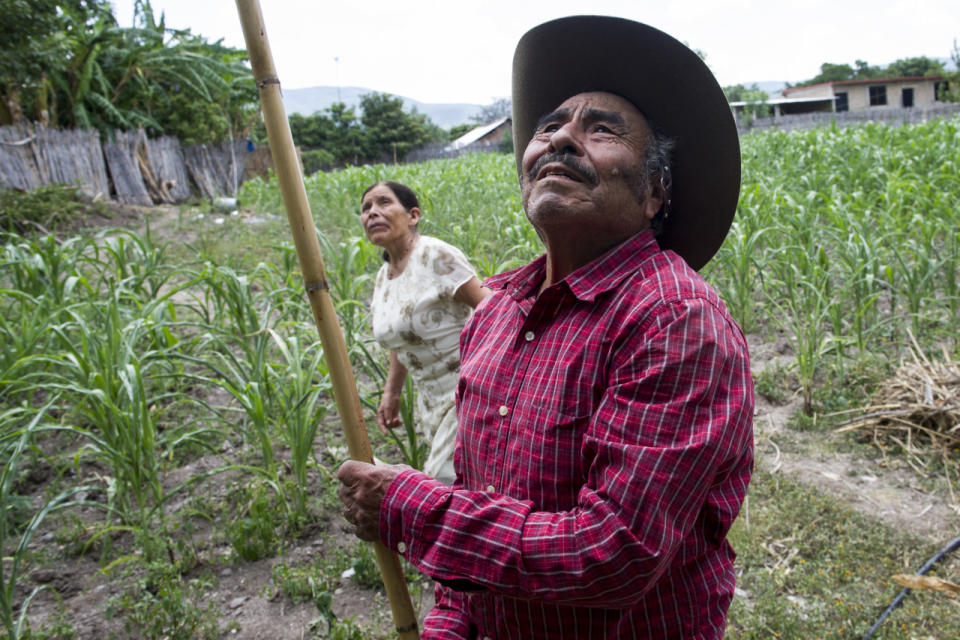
x=583, y=171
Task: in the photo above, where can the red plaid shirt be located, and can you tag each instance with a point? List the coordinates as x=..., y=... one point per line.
x=604, y=450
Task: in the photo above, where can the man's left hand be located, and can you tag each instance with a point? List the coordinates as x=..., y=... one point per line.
x=362, y=490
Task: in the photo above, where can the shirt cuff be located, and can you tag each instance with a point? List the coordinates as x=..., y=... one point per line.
x=406, y=507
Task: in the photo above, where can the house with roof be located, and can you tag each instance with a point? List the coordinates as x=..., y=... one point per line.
x=872, y=93
x=485, y=134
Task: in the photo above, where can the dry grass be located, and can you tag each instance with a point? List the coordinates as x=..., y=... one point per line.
x=918, y=407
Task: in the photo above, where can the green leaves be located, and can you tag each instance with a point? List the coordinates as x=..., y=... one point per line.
x=76, y=68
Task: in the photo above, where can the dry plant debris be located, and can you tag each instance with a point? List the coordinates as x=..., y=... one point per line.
x=920, y=402
x=928, y=583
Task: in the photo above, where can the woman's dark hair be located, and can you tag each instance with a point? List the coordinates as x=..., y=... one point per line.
x=403, y=194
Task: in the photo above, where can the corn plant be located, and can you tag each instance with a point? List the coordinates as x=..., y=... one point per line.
x=133, y=261
x=228, y=298
x=44, y=267
x=860, y=270
x=860, y=196
x=24, y=331
x=15, y=439
x=350, y=274
x=949, y=258
x=304, y=396
x=105, y=371
x=919, y=269
x=803, y=311
x=742, y=278
x=242, y=366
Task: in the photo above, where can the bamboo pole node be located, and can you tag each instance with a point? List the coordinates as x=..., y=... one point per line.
x=313, y=287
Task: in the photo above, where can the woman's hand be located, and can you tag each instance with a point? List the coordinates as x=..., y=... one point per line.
x=388, y=413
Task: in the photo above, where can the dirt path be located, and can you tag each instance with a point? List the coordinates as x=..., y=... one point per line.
x=897, y=496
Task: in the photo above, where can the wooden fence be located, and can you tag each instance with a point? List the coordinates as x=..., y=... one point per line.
x=435, y=150
x=844, y=118
x=32, y=157
x=131, y=168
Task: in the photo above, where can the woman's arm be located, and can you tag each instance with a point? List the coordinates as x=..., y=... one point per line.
x=388, y=413
x=471, y=292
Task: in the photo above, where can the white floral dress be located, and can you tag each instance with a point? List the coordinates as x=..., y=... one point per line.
x=415, y=315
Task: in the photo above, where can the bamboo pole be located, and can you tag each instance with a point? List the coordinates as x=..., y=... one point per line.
x=289, y=176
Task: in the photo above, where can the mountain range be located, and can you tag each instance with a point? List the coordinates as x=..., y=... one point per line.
x=311, y=99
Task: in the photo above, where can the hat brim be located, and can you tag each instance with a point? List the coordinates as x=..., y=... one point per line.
x=669, y=84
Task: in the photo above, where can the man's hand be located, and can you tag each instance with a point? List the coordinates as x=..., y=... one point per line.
x=388, y=413
x=362, y=490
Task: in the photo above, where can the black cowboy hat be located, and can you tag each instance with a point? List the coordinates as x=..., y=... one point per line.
x=669, y=84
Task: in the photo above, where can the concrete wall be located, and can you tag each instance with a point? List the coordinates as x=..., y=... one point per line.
x=858, y=95
x=813, y=91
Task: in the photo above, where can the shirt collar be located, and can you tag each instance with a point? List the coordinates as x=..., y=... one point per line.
x=590, y=280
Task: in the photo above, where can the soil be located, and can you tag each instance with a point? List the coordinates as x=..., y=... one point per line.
x=252, y=607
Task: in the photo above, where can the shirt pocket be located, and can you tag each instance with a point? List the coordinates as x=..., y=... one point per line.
x=548, y=452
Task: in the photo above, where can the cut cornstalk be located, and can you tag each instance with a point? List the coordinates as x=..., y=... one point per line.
x=289, y=176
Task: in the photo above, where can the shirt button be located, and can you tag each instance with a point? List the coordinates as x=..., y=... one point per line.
x=503, y=410
x=529, y=336
x=491, y=488
x=402, y=546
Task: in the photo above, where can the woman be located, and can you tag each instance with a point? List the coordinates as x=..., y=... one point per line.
x=422, y=297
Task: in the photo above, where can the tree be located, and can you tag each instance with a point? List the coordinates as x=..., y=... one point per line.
x=392, y=133
x=33, y=52
x=753, y=95
x=830, y=72
x=864, y=71
x=336, y=131
x=919, y=66
x=949, y=89
x=499, y=108
x=184, y=85
x=72, y=66
x=904, y=67
x=336, y=136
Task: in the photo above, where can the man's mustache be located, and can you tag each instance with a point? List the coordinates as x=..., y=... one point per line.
x=572, y=162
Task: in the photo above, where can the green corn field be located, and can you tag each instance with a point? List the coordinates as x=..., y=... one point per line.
x=126, y=358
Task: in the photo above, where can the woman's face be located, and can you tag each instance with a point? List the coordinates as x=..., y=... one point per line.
x=384, y=219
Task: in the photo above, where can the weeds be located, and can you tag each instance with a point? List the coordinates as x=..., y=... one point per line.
x=45, y=209
x=163, y=605
x=811, y=567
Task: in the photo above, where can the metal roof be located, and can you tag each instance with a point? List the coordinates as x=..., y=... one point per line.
x=476, y=133
x=743, y=103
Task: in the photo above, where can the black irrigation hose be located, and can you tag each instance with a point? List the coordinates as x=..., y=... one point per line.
x=953, y=544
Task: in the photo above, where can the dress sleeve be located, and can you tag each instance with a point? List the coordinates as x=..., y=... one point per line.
x=668, y=454
x=448, y=265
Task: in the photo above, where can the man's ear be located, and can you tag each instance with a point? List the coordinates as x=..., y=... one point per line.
x=654, y=200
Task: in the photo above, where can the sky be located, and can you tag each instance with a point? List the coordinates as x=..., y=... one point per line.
x=452, y=51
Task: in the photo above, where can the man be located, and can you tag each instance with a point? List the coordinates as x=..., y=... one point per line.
x=605, y=399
